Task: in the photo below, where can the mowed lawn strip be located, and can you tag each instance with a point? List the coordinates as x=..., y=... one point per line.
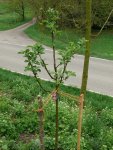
x=101, y=46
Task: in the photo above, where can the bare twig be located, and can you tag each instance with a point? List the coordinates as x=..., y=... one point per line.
x=44, y=64
x=58, y=65
x=104, y=24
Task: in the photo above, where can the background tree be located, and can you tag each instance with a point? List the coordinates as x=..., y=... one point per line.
x=100, y=12
x=72, y=12
x=18, y=6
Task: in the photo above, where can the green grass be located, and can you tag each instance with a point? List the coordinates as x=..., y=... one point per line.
x=19, y=123
x=9, y=20
x=43, y=36
x=101, y=46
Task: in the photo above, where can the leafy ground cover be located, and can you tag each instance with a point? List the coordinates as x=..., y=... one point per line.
x=102, y=46
x=19, y=123
x=10, y=19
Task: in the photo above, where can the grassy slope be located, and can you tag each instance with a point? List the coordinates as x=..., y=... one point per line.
x=102, y=46
x=9, y=20
x=18, y=123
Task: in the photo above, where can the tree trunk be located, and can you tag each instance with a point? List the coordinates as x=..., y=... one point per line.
x=23, y=11
x=57, y=119
x=88, y=46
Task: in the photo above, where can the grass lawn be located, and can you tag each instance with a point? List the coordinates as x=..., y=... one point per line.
x=8, y=19
x=102, y=46
x=19, y=123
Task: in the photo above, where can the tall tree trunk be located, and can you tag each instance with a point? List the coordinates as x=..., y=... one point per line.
x=88, y=46
x=23, y=11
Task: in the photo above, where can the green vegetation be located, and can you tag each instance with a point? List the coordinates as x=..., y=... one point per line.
x=19, y=123
x=73, y=11
x=10, y=19
x=102, y=46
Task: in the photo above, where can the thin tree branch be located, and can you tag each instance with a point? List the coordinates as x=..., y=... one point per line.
x=65, y=66
x=54, y=54
x=58, y=65
x=46, y=68
x=104, y=24
x=35, y=75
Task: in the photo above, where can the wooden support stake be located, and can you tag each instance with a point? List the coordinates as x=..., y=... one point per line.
x=81, y=100
x=55, y=97
x=41, y=123
x=57, y=125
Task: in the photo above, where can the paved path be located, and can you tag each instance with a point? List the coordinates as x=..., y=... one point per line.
x=100, y=71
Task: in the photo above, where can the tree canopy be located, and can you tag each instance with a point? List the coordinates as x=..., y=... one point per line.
x=72, y=12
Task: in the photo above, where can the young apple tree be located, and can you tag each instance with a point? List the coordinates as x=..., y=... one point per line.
x=35, y=61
